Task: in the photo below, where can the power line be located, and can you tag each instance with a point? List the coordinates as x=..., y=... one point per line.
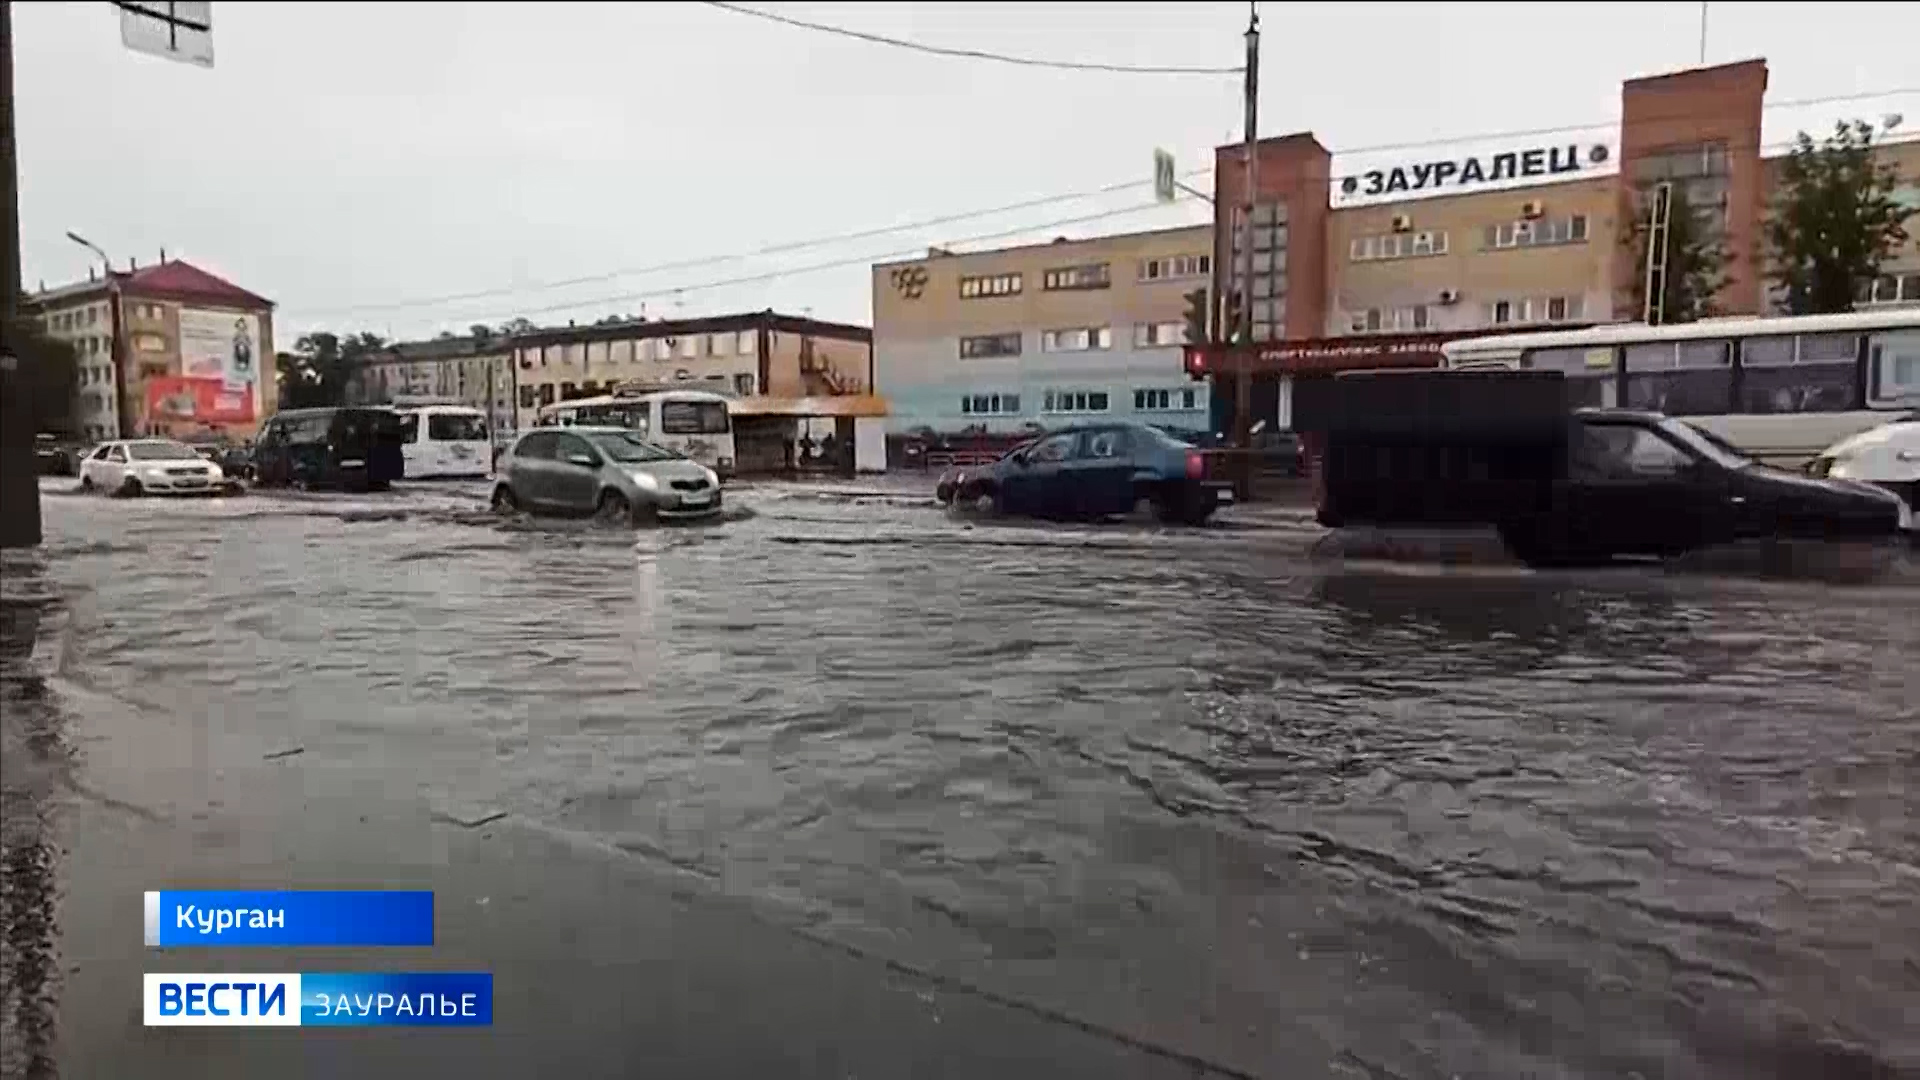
x=970, y=54
x=837, y=264
x=1047, y=200
x=776, y=249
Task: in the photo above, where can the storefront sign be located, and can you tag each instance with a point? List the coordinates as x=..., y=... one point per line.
x=1497, y=168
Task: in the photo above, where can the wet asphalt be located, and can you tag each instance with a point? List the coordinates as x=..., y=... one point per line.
x=844, y=785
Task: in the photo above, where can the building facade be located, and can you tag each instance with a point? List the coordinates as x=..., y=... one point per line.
x=1038, y=335
x=168, y=349
x=475, y=371
x=756, y=354
x=1416, y=252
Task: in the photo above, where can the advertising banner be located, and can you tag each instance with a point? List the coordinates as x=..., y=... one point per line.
x=186, y=399
x=223, y=345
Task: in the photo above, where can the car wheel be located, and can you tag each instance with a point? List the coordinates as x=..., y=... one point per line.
x=613, y=506
x=503, y=500
x=86, y=482
x=131, y=488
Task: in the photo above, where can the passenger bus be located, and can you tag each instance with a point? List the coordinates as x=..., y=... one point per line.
x=445, y=440
x=694, y=422
x=1781, y=389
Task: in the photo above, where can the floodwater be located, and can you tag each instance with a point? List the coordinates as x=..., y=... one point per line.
x=1190, y=792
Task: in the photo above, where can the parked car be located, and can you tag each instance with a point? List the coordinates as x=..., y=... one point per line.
x=611, y=472
x=1096, y=471
x=136, y=467
x=54, y=456
x=353, y=448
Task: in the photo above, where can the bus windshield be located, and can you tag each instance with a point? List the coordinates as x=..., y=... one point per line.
x=693, y=417
x=456, y=427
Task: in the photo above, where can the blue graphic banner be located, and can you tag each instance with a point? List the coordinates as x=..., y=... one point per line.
x=320, y=999
x=231, y=917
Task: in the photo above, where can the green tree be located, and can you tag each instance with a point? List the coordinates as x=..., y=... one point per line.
x=1696, y=265
x=316, y=372
x=519, y=324
x=50, y=377
x=1834, y=220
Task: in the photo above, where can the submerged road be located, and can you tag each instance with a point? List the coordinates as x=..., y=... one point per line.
x=847, y=787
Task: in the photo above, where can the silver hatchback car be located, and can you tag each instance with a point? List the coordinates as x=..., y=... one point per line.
x=609, y=471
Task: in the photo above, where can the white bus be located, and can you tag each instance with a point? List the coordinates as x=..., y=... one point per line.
x=697, y=423
x=443, y=441
x=1782, y=389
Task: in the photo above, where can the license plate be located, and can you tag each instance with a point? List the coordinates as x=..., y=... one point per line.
x=701, y=499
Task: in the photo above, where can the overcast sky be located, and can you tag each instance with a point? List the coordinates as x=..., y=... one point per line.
x=346, y=159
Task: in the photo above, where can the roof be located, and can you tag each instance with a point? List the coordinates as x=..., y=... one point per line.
x=659, y=328
x=850, y=405
x=181, y=280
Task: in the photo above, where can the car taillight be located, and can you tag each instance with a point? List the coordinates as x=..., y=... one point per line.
x=1196, y=465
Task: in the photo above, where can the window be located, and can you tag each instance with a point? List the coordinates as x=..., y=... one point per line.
x=1106, y=444
x=693, y=417
x=1589, y=373
x=1893, y=367
x=1074, y=401
x=1091, y=276
x=687, y=348
x=409, y=427
x=974, y=348
x=1175, y=267
x=1079, y=339
x=743, y=383
x=1155, y=335
x=453, y=427
x=990, y=404
x=1054, y=448
x=1892, y=289
x=621, y=352
x=1155, y=400
x=1806, y=373
x=719, y=344
x=1688, y=378
x=746, y=343
x=1397, y=246
x=973, y=288
x=1536, y=309
x=1617, y=452
x=528, y=398
x=1538, y=233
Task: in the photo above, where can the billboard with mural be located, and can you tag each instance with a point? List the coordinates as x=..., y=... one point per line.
x=178, y=399
x=224, y=347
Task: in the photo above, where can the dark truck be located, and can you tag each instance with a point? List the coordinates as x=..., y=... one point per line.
x=1564, y=485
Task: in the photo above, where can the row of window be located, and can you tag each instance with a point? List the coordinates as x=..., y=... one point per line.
x=1085, y=276
x=1785, y=374
x=535, y=395
x=1500, y=312
x=684, y=347
x=1073, y=339
x=1517, y=234
x=1065, y=402
x=1889, y=289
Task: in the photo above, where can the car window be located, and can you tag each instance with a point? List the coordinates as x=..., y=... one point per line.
x=570, y=445
x=1105, y=444
x=537, y=446
x=409, y=427
x=101, y=454
x=1054, y=448
x=117, y=453
x=1617, y=452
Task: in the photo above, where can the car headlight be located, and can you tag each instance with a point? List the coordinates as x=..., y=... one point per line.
x=713, y=478
x=645, y=480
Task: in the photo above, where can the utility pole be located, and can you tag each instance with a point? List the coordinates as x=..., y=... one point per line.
x=19, y=481
x=1243, y=378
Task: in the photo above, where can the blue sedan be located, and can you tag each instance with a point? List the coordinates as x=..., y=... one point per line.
x=1094, y=471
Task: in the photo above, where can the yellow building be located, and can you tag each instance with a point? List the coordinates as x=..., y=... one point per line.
x=997, y=340
x=168, y=349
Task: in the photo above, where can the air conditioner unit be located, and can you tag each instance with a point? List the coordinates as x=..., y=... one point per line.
x=1449, y=296
x=1532, y=209
x=1402, y=223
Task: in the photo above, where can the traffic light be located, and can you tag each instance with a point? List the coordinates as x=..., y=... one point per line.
x=1196, y=317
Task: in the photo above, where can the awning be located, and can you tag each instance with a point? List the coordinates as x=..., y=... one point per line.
x=850, y=405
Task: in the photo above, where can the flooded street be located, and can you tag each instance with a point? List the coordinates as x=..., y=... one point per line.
x=1190, y=800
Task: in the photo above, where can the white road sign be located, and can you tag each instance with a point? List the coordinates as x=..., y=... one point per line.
x=176, y=29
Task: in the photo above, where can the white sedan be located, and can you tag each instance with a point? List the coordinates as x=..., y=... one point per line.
x=150, y=467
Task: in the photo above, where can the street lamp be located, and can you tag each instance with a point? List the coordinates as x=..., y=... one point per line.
x=114, y=352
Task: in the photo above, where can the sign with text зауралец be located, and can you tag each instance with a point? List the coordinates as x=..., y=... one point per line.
x=1436, y=176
